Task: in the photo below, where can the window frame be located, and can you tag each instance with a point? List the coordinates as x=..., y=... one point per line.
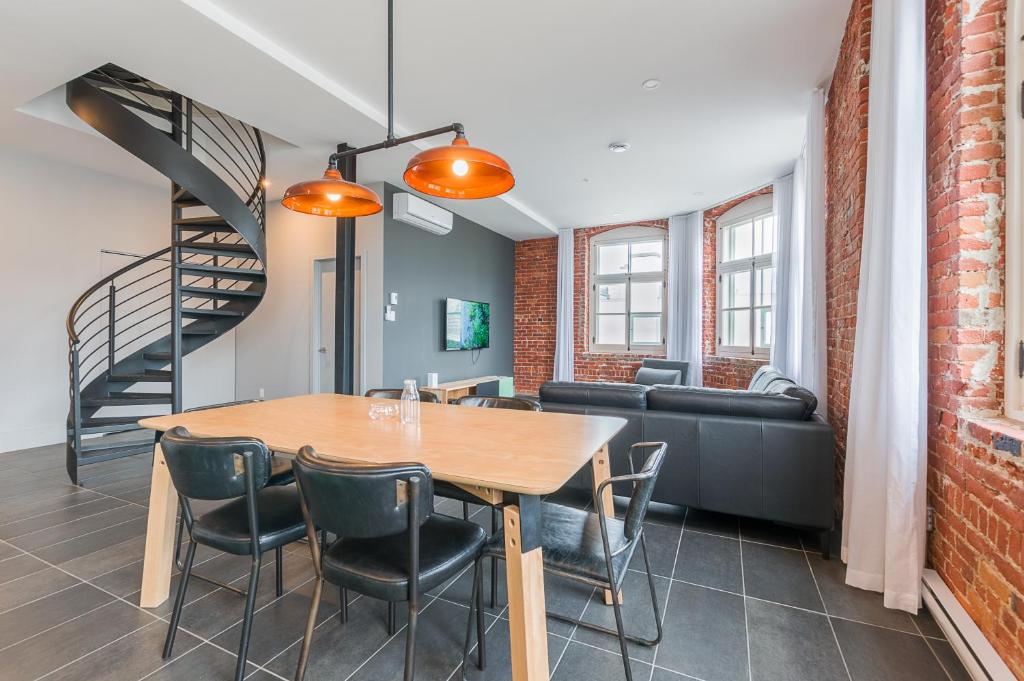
x=759, y=209
x=1013, y=332
x=626, y=235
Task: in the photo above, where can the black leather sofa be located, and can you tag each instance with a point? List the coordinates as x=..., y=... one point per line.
x=762, y=452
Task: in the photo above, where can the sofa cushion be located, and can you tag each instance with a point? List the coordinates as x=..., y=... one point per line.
x=624, y=395
x=651, y=376
x=763, y=377
x=655, y=363
x=689, y=399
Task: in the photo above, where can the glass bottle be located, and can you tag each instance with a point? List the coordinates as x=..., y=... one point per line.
x=410, y=408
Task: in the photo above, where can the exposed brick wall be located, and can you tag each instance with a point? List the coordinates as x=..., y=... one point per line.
x=534, y=312
x=977, y=490
x=846, y=152
x=721, y=372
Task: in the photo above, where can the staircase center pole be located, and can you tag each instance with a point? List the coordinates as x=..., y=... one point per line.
x=344, y=294
x=178, y=123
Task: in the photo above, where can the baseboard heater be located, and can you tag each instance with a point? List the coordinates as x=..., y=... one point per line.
x=979, y=657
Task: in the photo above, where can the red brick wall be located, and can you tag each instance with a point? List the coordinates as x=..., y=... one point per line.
x=977, y=490
x=846, y=152
x=721, y=372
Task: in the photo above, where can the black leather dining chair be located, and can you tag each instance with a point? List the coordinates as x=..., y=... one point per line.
x=450, y=491
x=391, y=545
x=280, y=474
x=255, y=519
x=589, y=548
x=396, y=394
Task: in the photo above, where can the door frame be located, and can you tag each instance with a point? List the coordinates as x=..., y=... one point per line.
x=315, y=326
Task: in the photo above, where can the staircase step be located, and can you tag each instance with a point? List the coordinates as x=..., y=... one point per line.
x=242, y=251
x=230, y=293
x=206, y=223
x=102, y=444
x=127, y=399
x=147, y=377
x=223, y=272
x=189, y=331
x=115, y=452
x=203, y=313
x=185, y=199
x=157, y=356
x=113, y=424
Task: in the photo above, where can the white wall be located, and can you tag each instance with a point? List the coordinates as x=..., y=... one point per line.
x=274, y=346
x=54, y=219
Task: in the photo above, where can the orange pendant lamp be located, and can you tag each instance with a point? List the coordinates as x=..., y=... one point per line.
x=459, y=171
x=332, y=197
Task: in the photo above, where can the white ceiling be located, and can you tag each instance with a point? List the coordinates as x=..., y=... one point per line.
x=546, y=84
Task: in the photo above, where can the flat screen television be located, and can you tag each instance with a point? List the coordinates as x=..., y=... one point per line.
x=467, y=324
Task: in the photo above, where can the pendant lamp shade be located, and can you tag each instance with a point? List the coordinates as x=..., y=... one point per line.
x=459, y=171
x=332, y=197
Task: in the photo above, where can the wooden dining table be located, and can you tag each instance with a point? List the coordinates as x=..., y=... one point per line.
x=506, y=457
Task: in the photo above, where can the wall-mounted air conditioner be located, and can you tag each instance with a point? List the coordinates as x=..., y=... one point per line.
x=422, y=214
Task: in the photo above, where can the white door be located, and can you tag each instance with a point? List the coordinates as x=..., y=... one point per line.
x=324, y=277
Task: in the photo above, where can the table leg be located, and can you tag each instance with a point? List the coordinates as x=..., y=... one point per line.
x=159, y=556
x=526, y=609
x=602, y=471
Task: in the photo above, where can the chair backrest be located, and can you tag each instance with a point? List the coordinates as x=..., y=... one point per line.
x=643, y=484
x=214, y=468
x=363, y=501
x=220, y=404
x=495, y=402
x=396, y=394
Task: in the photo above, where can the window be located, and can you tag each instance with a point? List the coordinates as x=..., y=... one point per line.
x=746, y=279
x=627, y=290
x=1014, y=218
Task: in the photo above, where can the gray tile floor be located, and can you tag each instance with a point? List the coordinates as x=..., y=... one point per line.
x=740, y=600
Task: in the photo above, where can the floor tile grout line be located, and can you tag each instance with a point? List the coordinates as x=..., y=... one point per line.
x=44, y=596
x=572, y=633
x=930, y=648
x=59, y=510
x=86, y=534
x=124, y=504
x=654, y=667
x=831, y=626
x=386, y=642
x=315, y=628
x=105, y=645
x=55, y=626
x=668, y=592
x=743, y=583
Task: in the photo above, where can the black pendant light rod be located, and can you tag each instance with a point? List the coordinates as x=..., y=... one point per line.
x=391, y=140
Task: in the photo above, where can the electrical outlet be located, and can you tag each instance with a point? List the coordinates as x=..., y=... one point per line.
x=262, y=393
x=930, y=519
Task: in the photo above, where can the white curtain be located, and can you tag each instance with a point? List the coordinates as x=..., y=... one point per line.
x=884, y=519
x=685, y=293
x=798, y=348
x=563, y=309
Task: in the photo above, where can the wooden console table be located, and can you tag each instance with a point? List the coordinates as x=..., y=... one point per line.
x=453, y=390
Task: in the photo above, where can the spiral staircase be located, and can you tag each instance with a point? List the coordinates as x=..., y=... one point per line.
x=128, y=333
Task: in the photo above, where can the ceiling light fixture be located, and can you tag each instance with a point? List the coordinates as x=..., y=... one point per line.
x=618, y=147
x=651, y=84
x=456, y=171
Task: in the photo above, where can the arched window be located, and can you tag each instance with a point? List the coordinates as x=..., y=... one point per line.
x=627, y=290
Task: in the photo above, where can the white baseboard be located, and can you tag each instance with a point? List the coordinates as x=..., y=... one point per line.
x=979, y=657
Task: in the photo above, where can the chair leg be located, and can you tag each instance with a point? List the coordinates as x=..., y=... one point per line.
x=250, y=605
x=474, y=605
x=343, y=605
x=179, y=600
x=392, y=618
x=307, y=637
x=465, y=510
x=623, y=645
x=177, y=540
x=495, y=516
x=481, y=654
x=279, y=577
x=410, y=643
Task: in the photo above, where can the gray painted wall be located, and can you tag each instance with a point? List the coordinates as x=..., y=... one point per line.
x=472, y=263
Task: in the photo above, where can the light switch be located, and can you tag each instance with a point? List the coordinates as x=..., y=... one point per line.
x=389, y=314
x=394, y=298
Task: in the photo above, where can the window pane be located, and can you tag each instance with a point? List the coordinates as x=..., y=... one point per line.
x=736, y=328
x=764, y=235
x=764, y=287
x=646, y=256
x=736, y=289
x=611, y=329
x=646, y=330
x=645, y=296
x=737, y=241
x=765, y=332
x=611, y=259
x=611, y=298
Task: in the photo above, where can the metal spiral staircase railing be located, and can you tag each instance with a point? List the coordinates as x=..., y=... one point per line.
x=128, y=333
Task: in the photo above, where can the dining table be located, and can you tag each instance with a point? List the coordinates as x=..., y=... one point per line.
x=507, y=458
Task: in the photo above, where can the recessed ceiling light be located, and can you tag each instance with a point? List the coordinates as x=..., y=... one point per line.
x=586, y=179
x=651, y=84
x=618, y=147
